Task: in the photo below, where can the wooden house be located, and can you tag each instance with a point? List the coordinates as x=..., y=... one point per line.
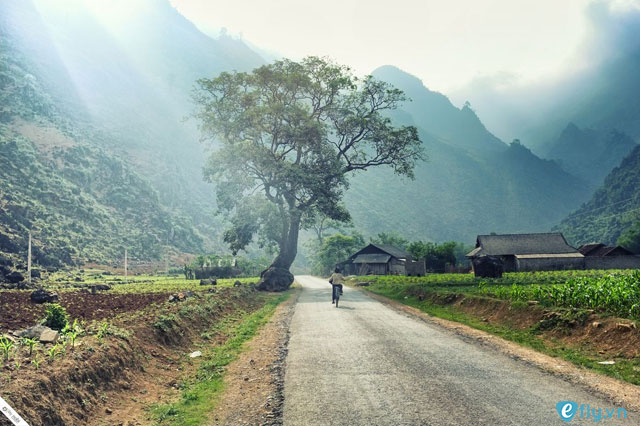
x=381, y=259
x=529, y=252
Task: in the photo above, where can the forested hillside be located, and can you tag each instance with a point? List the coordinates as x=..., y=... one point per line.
x=81, y=202
x=95, y=155
x=472, y=182
x=612, y=210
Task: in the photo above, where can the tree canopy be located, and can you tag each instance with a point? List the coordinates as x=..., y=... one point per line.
x=287, y=135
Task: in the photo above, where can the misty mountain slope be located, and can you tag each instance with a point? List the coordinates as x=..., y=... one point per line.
x=465, y=188
x=119, y=82
x=611, y=210
x=589, y=153
x=82, y=202
x=436, y=114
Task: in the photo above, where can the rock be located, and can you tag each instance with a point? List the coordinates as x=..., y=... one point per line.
x=363, y=284
x=108, y=410
x=607, y=362
x=532, y=302
x=100, y=287
x=78, y=279
x=488, y=267
x=237, y=284
x=44, y=296
x=275, y=279
x=181, y=296
x=195, y=354
x=32, y=332
x=14, y=277
x=49, y=336
x=596, y=324
x=625, y=327
x=209, y=282
x=35, y=273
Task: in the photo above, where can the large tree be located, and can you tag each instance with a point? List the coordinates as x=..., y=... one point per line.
x=285, y=137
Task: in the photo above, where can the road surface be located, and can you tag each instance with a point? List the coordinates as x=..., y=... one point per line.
x=365, y=363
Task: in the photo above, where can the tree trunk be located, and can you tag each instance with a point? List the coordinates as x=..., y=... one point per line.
x=277, y=276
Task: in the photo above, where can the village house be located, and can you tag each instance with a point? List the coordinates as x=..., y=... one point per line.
x=528, y=252
x=599, y=249
x=382, y=259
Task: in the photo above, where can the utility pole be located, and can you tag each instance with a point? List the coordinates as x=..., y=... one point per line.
x=125, y=265
x=29, y=261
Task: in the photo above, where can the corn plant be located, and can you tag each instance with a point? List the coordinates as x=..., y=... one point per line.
x=6, y=346
x=53, y=352
x=30, y=343
x=36, y=362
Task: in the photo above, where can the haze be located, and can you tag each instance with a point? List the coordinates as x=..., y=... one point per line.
x=446, y=44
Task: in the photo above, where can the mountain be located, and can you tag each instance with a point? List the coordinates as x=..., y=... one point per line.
x=613, y=208
x=590, y=153
x=472, y=182
x=96, y=153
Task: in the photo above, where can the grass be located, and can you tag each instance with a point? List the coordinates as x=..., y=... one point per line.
x=66, y=281
x=202, y=391
x=624, y=369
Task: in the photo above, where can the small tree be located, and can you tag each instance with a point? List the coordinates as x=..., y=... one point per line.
x=392, y=239
x=290, y=134
x=335, y=249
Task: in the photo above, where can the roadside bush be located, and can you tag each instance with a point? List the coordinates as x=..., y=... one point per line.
x=57, y=317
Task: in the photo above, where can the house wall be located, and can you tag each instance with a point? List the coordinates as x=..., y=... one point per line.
x=397, y=267
x=370, y=268
x=612, y=262
x=416, y=268
x=510, y=264
x=549, y=264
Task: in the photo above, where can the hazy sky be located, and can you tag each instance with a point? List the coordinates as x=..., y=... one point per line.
x=446, y=43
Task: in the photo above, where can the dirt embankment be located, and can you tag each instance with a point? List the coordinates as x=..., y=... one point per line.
x=606, y=336
x=139, y=361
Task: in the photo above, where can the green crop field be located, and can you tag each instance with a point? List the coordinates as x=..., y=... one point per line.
x=610, y=292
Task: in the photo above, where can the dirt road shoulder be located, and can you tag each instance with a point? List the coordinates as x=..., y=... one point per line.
x=254, y=383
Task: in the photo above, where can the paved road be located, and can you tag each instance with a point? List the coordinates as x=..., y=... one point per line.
x=367, y=364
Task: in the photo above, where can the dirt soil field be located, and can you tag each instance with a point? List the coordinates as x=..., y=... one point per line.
x=19, y=312
x=113, y=381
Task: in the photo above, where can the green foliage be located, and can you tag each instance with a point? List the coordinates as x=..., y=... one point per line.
x=6, y=346
x=611, y=292
x=335, y=249
x=56, y=317
x=630, y=239
x=292, y=132
x=436, y=256
x=613, y=212
x=30, y=343
x=391, y=238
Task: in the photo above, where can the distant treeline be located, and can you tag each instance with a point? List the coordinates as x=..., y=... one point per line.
x=438, y=257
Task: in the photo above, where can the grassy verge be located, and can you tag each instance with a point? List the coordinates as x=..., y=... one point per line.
x=624, y=369
x=199, y=394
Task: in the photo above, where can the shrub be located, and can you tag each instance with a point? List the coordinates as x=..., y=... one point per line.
x=57, y=317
